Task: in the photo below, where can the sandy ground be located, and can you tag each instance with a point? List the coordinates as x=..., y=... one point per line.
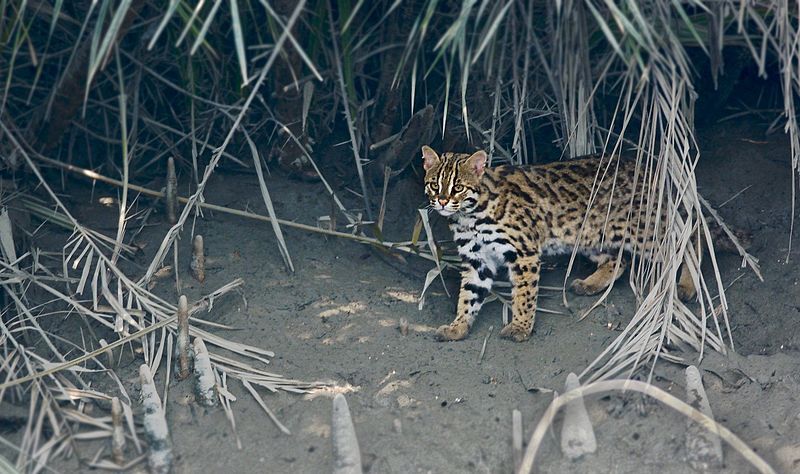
x=423, y=406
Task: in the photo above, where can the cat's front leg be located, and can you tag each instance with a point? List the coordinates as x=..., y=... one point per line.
x=524, y=272
x=476, y=281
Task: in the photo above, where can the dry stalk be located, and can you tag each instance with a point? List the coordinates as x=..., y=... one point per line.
x=577, y=435
x=183, y=338
x=703, y=446
x=117, y=433
x=171, y=201
x=516, y=438
x=485, y=341
x=205, y=384
x=109, y=353
x=346, y=454
x=159, y=457
x=264, y=407
x=198, y=264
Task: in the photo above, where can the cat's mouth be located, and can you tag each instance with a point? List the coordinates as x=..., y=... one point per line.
x=447, y=210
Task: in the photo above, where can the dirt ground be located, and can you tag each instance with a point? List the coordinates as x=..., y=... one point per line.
x=423, y=406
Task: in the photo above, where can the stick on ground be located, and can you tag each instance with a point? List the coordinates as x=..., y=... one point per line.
x=117, y=433
x=109, y=353
x=703, y=446
x=516, y=438
x=205, y=384
x=171, y=201
x=346, y=454
x=577, y=435
x=198, y=264
x=483, y=347
x=159, y=457
x=183, y=338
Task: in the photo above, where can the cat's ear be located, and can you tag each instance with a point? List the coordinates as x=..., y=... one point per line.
x=429, y=157
x=477, y=162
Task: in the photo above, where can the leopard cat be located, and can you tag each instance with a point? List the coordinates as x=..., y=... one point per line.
x=505, y=218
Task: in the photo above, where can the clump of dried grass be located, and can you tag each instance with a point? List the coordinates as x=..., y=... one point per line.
x=550, y=66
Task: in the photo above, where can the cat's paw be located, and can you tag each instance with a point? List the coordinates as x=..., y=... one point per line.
x=449, y=332
x=518, y=334
x=583, y=288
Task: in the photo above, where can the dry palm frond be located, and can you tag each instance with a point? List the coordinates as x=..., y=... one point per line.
x=133, y=306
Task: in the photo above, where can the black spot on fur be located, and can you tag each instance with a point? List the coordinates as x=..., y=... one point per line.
x=510, y=256
x=502, y=273
x=484, y=274
x=478, y=290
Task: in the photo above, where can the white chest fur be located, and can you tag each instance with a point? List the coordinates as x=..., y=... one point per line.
x=481, y=243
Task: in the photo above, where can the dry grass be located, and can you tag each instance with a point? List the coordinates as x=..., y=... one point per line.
x=529, y=459
x=503, y=74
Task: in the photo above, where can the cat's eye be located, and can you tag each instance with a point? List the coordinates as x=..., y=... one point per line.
x=458, y=188
x=434, y=187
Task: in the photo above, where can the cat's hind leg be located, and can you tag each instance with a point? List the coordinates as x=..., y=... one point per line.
x=524, y=273
x=605, y=275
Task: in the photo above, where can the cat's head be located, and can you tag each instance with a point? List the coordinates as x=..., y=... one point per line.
x=452, y=180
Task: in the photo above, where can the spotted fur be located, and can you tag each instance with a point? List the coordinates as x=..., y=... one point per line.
x=504, y=219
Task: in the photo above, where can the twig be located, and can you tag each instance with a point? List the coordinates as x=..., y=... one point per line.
x=485, y=340
x=385, y=141
x=264, y=407
x=109, y=353
x=387, y=173
x=734, y=196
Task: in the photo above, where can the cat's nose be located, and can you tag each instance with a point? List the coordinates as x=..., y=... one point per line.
x=442, y=202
